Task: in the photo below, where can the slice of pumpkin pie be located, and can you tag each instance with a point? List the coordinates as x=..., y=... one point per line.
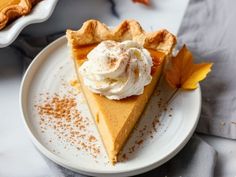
x=118, y=70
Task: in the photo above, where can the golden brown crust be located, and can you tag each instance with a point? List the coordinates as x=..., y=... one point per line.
x=94, y=31
x=13, y=11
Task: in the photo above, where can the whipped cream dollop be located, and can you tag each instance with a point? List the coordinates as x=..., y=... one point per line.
x=117, y=69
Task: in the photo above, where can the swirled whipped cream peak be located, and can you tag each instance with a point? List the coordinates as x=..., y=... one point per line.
x=117, y=70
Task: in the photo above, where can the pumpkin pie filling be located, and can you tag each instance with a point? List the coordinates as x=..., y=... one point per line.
x=124, y=113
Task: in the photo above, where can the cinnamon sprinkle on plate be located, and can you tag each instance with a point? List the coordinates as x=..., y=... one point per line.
x=60, y=115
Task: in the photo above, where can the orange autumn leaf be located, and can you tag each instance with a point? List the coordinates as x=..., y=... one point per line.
x=145, y=2
x=185, y=74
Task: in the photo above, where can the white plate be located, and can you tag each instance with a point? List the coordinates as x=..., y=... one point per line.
x=52, y=70
x=41, y=12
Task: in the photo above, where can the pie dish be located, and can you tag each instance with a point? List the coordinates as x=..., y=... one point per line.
x=12, y=9
x=116, y=119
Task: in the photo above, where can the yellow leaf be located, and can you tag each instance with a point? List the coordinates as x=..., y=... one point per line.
x=183, y=73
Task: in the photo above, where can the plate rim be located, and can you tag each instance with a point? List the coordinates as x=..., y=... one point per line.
x=86, y=171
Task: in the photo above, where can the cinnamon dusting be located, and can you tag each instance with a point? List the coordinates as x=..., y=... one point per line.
x=60, y=114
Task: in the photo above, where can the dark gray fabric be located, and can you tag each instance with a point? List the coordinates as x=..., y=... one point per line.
x=208, y=29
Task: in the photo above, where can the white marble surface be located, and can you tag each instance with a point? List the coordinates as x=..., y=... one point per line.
x=18, y=157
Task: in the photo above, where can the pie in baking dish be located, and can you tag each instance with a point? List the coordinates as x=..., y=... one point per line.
x=12, y=9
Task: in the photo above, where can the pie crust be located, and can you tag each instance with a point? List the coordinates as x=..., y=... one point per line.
x=93, y=32
x=12, y=12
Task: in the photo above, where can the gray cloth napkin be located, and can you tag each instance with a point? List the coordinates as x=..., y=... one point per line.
x=208, y=29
